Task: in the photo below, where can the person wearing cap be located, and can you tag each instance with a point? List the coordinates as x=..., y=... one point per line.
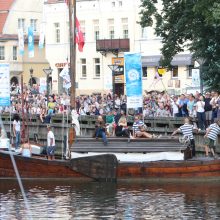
x=50, y=144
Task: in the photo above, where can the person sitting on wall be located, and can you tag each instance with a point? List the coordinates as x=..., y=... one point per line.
x=121, y=129
x=139, y=129
x=110, y=123
x=100, y=130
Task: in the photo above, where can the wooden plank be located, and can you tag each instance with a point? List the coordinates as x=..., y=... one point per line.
x=100, y=167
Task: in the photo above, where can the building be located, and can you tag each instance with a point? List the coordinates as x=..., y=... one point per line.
x=21, y=14
x=110, y=28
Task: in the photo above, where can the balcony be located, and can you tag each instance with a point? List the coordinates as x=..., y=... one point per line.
x=114, y=46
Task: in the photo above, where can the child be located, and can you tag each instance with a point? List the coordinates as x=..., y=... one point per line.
x=211, y=136
x=187, y=130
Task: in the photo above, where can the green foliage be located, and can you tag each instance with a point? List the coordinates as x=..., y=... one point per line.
x=187, y=24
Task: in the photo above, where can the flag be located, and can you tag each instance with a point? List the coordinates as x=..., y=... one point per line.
x=30, y=42
x=42, y=35
x=79, y=38
x=66, y=77
x=21, y=41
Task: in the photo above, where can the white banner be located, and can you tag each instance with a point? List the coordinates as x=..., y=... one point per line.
x=5, y=84
x=42, y=35
x=195, y=78
x=43, y=85
x=21, y=41
x=66, y=77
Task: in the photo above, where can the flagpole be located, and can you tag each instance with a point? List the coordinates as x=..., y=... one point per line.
x=72, y=28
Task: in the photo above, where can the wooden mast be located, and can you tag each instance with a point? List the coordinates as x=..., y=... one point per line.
x=72, y=28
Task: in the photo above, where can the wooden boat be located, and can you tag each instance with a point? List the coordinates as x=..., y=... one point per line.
x=100, y=167
x=105, y=166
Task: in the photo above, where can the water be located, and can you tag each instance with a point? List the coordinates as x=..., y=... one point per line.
x=124, y=200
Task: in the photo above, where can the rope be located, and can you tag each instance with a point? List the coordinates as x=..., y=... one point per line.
x=29, y=214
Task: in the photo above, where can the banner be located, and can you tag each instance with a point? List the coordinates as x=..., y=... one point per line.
x=66, y=77
x=21, y=41
x=5, y=84
x=30, y=42
x=133, y=75
x=43, y=85
x=195, y=78
x=42, y=36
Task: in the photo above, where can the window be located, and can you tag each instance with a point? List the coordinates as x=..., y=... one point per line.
x=83, y=68
x=33, y=23
x=97, y=67
x=144, y=33
x=113, y=4
x=120, y=3
x=189, y=68
x=111, y=28
x=144, y=71
x=124, y=22
x=21, y=23
x=96, y=29
x=14, y=52
x=2, y=52
x=175, y=72
x=57, y=32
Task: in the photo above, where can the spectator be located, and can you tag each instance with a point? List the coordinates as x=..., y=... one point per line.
x=139, y=129
x=100, y=130
x=208, y=109
x=200, y=108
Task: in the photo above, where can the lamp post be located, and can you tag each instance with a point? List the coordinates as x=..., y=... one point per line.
x=113, y=68
x=31, y=74
x=48, y=71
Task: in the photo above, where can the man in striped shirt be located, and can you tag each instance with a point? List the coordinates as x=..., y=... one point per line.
x=139, y=130
x=211, y=136
x=187, y=130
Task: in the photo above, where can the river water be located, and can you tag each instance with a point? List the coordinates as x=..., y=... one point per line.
x=127, y=200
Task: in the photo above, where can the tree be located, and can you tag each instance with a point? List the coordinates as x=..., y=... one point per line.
x=187, y=24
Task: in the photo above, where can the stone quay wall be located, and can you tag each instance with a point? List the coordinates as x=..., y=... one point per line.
x=60, y=124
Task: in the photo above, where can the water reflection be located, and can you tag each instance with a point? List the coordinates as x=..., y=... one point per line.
x=124, y=200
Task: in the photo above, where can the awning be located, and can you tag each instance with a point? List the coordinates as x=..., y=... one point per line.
x=182, y=60
x=148, y=61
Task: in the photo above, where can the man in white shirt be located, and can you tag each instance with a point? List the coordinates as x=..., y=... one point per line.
x=50, y=144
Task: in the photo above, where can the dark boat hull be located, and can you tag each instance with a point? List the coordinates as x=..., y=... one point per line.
x=42, y=168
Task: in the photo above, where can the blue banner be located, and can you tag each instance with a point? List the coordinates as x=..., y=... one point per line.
x=5, y=84
x=30, y=42
x=133, y=75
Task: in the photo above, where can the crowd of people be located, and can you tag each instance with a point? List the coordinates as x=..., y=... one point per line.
x=204, y=107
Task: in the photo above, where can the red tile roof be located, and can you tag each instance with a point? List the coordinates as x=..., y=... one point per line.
x=5, y=6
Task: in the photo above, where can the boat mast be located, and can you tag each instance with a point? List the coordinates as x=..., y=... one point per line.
x=72, y=69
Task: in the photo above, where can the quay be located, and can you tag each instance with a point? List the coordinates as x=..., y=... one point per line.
x=60, y=125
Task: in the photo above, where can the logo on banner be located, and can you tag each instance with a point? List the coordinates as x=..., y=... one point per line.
x=30, y=42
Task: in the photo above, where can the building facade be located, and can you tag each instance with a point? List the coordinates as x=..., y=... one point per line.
x=21, y=14
x=110, y=28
